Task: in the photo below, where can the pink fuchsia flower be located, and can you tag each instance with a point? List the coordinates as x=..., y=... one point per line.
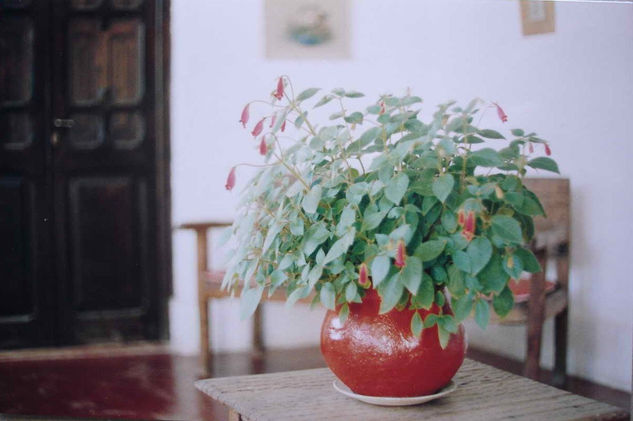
x=461, y=218
x=469, y=226
x=283, y=126
x=363, y=276
x=382, y=107
x=531, y=147
x=401, y=255
x=272, y=120
x=230, y=180
x=502, y=115
x=245, y=115
x=258, y=127
x=548, y=151
x=263, y=146
x=279, y=93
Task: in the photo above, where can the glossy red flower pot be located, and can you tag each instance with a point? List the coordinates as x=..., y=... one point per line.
x=377, y=355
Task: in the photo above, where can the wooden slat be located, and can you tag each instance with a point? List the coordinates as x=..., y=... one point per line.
x=483, y=393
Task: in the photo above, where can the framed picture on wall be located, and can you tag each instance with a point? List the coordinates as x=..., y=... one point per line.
x=537, y=17
x=307, y=29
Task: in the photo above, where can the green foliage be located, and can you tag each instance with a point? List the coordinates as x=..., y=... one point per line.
x=331, y=197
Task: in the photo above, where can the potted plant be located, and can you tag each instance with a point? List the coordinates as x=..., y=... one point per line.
x=401, y=224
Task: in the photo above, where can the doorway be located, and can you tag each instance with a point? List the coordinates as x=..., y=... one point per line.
x=85, y=243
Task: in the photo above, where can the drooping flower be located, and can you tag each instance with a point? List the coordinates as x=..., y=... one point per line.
x=461, y=218
x=279, y=93
x=363, y=276
x=401, y=255
x=531, y=147
x=230, y=180
x=502, y=115
x=382, y=107
x=283, y=126
x=263, y=146
x=469, y=226
x=272, y=120
x=245, y=115
x=548, y=151
x=258, y=127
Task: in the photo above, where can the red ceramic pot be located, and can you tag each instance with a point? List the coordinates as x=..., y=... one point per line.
x=377, y=355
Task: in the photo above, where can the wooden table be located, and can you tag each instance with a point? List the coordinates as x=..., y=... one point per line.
x=483, y=393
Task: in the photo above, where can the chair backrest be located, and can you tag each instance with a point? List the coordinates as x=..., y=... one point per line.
x=553, y=232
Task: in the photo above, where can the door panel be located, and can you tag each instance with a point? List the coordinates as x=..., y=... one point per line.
x=83, y=195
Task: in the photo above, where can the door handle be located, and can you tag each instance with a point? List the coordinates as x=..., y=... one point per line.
x=65, y=123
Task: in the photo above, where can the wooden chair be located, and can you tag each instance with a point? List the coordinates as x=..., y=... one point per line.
x=209, y=288
x=546, y=299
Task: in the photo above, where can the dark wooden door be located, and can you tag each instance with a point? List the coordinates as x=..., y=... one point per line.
x=89, y=192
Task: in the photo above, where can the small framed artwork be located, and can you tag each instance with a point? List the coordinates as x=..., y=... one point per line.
x=307, y=29
x=537, y=17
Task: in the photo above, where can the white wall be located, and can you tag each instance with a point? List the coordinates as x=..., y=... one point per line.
x=574, y=87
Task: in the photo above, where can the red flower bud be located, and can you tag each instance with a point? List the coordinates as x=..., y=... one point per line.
x=230, y=180
x=245, y=115
x=382, y=107
x=283, y=126
x=363, y=276
x=401, y=255
x=531, y=147
x=548, y=151
x=469, y=226
x=279, y=93
x=263, y=147
x=258, y=127
x=502, y=115
x=272, y=120
x=461, y=218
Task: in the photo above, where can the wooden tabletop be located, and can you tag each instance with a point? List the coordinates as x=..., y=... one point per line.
x=483, y=393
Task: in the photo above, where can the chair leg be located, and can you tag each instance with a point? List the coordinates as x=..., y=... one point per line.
x=536, y=319
x=205, y=352
x=559, y=377
x=258, y=337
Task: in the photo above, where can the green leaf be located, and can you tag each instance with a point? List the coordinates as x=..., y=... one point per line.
x=372, y=219
x=249, y=300
x=337, y=115
x=449, y=221
x=298, y=294
x=348, y=217
x=503, y=303
x=455, y=281
x=396, y=188
x=482, y=313
x=490, y=134
x=343, y=313
x=426, y=293
x=350, y=291
x=479, y=251
x=308, y=93
x=530, y=262
x=518, y=132
x=354, y=94
x=412, y=274
x=447, y=322
x=486, y=157
x=507, y=228
x=443, y=335
x=379, y=269
x=340, y=247
x=416, y=324
x=493, y=277
x=390, y=292
x=544, y=163
x=311, y=200
x=323, y=101
x=328, y=296
x=354, y=118
x=462, y=307
x=513, y=266
x=315, y=236
x=429, y=250
x=462, y=261
x=442, y=186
